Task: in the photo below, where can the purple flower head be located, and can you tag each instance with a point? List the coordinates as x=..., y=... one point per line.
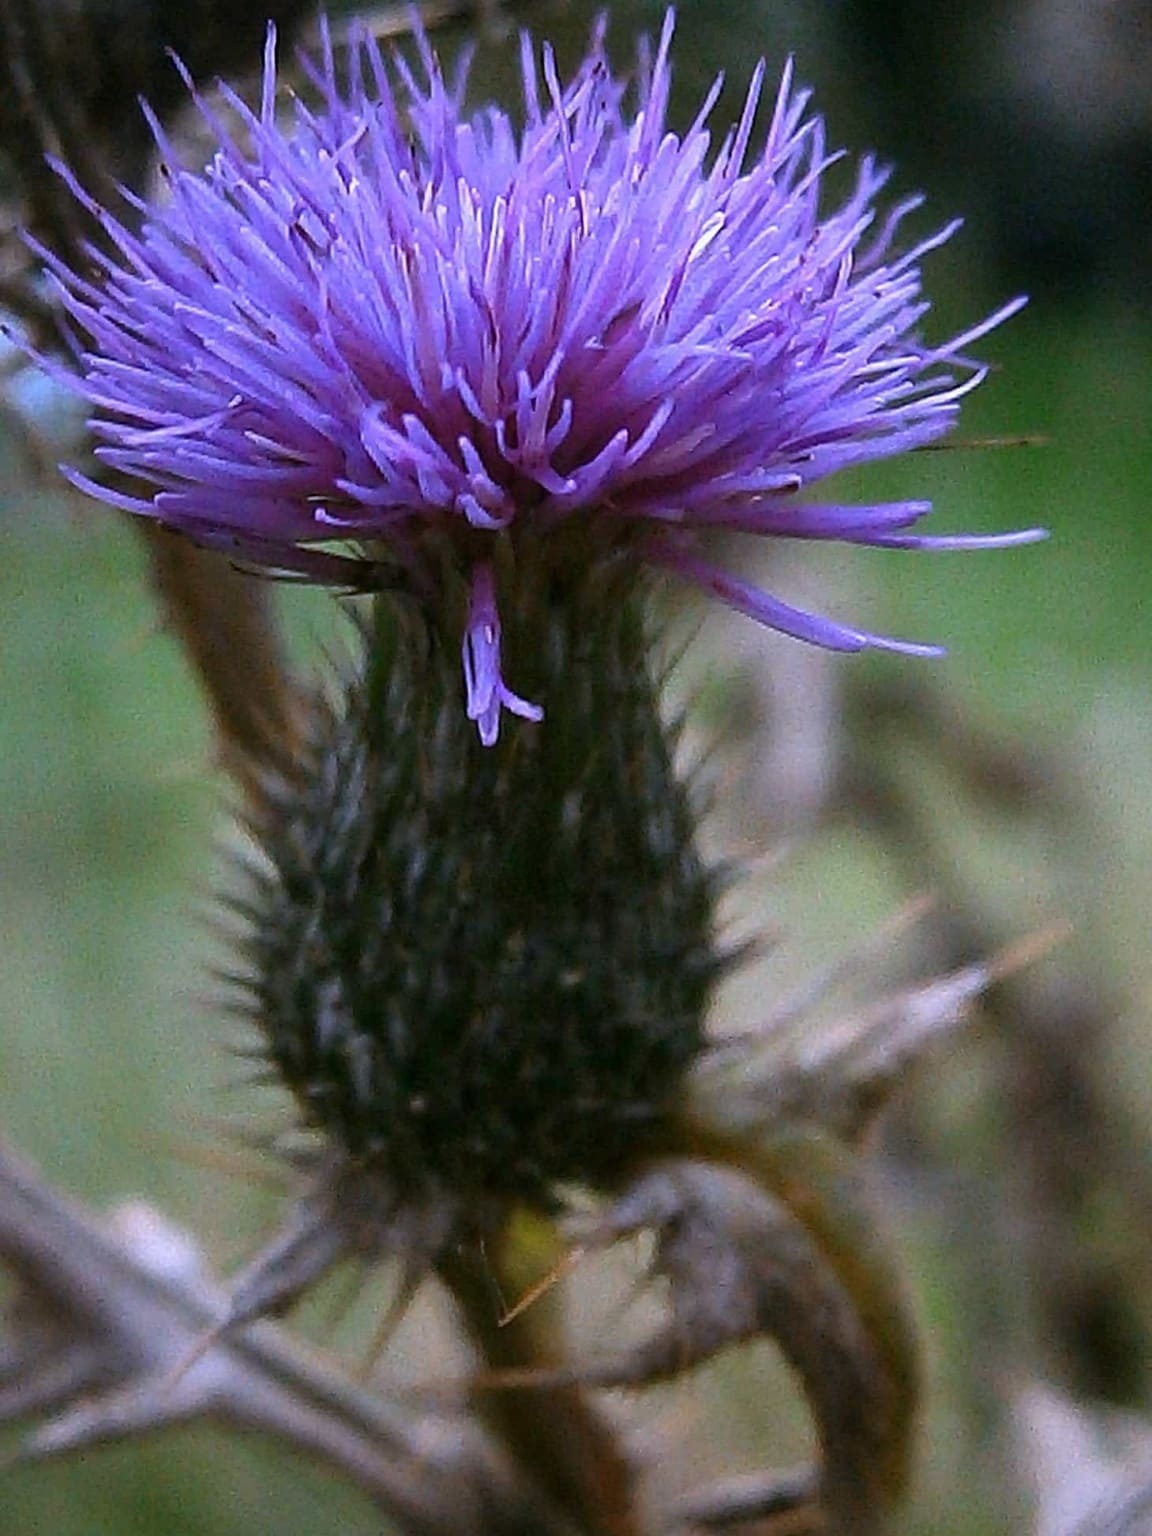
x=405, y=328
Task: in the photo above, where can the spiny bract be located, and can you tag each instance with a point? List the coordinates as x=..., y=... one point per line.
x=486, y=973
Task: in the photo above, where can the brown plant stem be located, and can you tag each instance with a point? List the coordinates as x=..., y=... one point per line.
x=113, y=1334
x=863, y=1389
x=225, y=623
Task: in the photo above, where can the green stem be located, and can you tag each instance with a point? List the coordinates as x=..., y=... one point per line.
x=556, y=1436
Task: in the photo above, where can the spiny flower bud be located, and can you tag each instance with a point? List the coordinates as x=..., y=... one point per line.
x=485, y=973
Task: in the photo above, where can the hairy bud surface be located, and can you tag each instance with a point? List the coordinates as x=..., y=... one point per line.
x=484, y=971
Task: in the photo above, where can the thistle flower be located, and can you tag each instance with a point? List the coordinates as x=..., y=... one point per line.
x=474, y=352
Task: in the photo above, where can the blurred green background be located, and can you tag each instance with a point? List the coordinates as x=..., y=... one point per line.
x=110, y=1063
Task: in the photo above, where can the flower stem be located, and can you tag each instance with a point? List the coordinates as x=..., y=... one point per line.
x=557, y=1438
